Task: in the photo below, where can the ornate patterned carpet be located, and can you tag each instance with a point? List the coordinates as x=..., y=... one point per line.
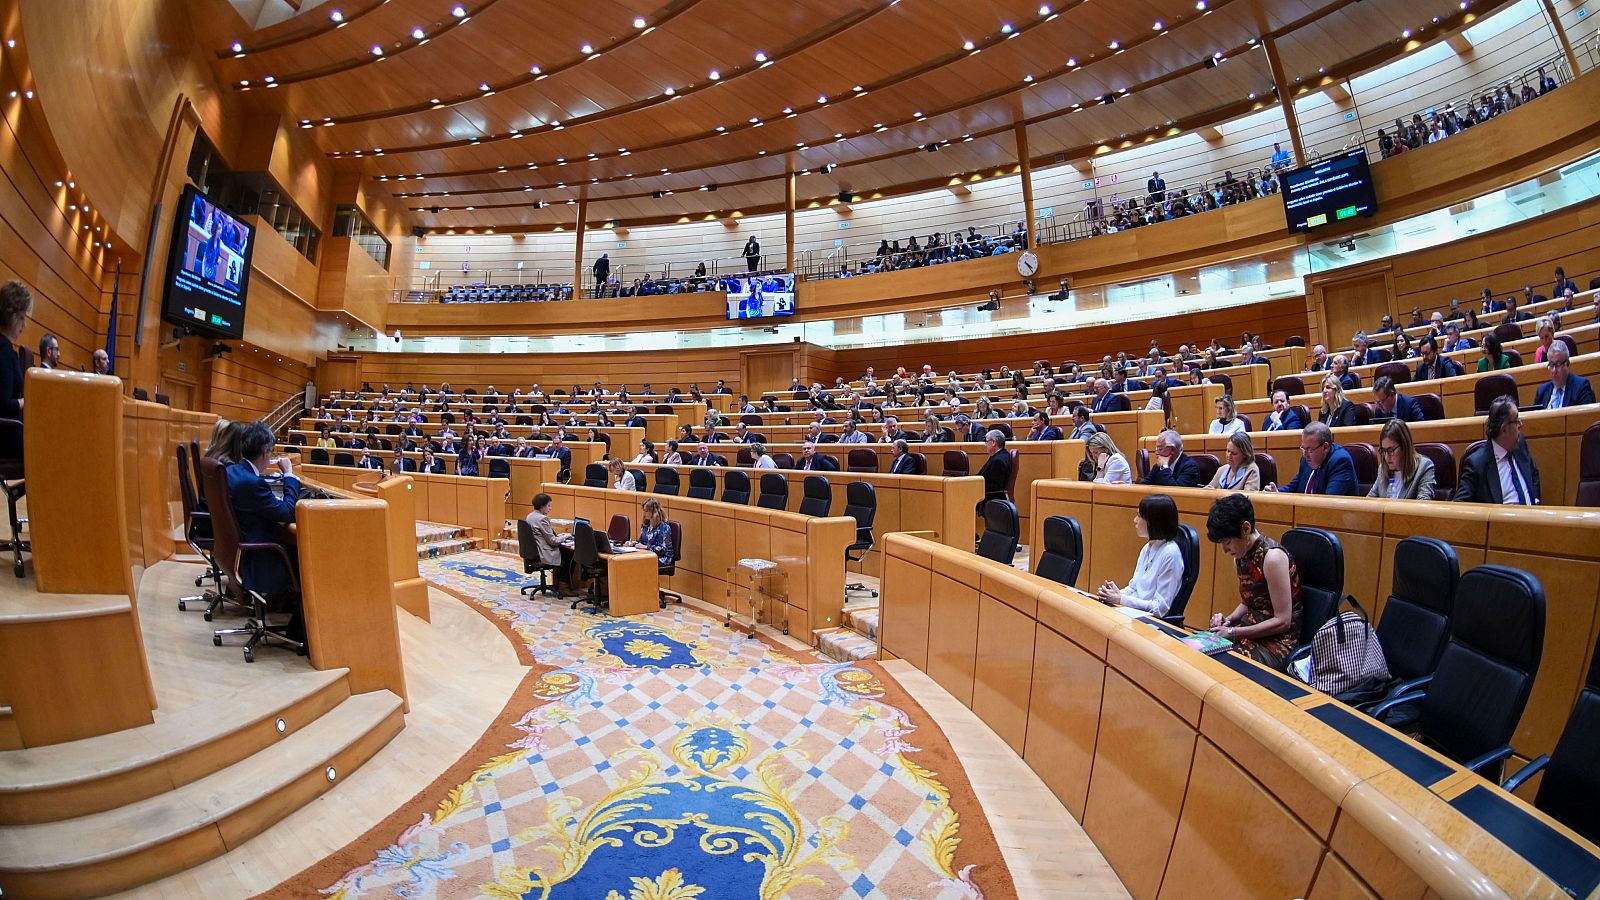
x=663, y=757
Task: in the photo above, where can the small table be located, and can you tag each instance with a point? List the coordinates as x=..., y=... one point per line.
x=633, y=582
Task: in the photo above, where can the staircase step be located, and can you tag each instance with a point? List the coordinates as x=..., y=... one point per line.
x=430, y=533
x=507, y=545
x=61, y=781
x=845, y=645
x=152, y=838
x=449, y=547
x=863, y=620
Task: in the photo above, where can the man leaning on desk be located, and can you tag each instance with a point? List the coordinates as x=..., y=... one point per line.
x=261, y=512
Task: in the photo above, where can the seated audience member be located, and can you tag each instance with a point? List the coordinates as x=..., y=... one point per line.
x=621, y=478
x=810, y=460
x=1320, y=361
x=1169, y=465
x=1042, y=429
x=467, y=459
x=742, y=435
x=1562, y=284
x=672, y=457
x=1361, y=353
x=1403, y=473
x=368, y=461
x=1082, y=427
x=102, y=362
x=903, y=464
x=224, y=446
x=1325, y=467
x=647, y=452
x=1240, y=473
x=1513, y=314
x=429, y=464
x=654, y=534
x=703, y=457
x=996, y=470
x=1159, y=572
x=1546, y=329
x=891, y=430
x=1340, y=371
x=1565, y=388
x=1493, y=357
x=556, y=450
x=261, y=513
x=549, y=549
x=852, y=435
x=1501, y=470
x=1283, y=417
x=1227, y=420
x=763, y=459
x=1389, y=403
x=1105, y=400
x=935, y=432
x=1108, y=463
x=49, y=352
x=1336, y=410
x=1266, y=624
x=1435, y=364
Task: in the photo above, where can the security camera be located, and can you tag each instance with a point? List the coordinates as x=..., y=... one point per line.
x=397, y=335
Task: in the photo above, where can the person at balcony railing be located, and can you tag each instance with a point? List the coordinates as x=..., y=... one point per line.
x=1156, y=188
x=1435, y=364
x=1280, y=157
x=1546, y=83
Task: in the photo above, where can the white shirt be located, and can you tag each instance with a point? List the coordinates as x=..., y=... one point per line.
x=765, y=462
x=641, y=458
x=625, y=483
x=1117, y=471
x=855, y=437
x=1156, y=578
x=1233, y=426
x=1513, y=491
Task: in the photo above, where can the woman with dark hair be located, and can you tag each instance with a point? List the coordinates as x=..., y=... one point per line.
x=673, y=457
x=647, y=452
x=1159, y=572
x=1266, y=624
x=467, y=460
x=1493, y=356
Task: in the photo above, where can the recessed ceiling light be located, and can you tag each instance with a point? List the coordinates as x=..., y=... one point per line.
x=1406, y=33
x=1072, y=62
x=761, y=56
x=788, y=110
x=418, y=34
x=269, y=79
x=715, y=75
x=377, y=50
x=1200, y=5
x=459, y=12
x=237, y=47
x=639, y=22
x=669, y=92
x=967, y=46
x=1113, y=45
x=484, y=86
x=1157, y=26
x=822, y=98
x=1006, y=28
x=586, y=49
x=1044, y=10
x=336, y=15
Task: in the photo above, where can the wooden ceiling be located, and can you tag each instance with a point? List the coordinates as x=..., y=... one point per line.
x=515, y=107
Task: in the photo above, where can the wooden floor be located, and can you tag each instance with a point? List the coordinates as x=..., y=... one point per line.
x=460, y=673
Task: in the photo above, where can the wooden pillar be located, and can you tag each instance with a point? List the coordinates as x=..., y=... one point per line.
x=1561, y=36
x=788, y=215
x=580, y=278
x=1023, y=160
x=1285, y=96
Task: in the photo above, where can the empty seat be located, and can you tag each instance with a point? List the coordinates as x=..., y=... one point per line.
x=594, y=475
x=919, y=464
x=1490, y=386
x=783, y=460
x=1570, y=791
x=667, y=481
x=1293, y=384
x=861, y=504
x=774, y=491
x=735, y=487
x=702, y=484
x=620, y=529
x=1507, y=332
x=1268, y=467
x=1432, y=406
x=1208, y=463
x=1365, y=460
x=1063, y=551
x=1444, y=468
x=1589, y=467
x=1001, y=531
x=1397, y=371
x=638, y=480
x=817, y=497
x=861, y=459
x=1416, y=618
x=956, y=463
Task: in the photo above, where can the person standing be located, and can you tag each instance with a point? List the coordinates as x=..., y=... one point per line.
x=752, y=254
x=602, y=272
x=16, y=302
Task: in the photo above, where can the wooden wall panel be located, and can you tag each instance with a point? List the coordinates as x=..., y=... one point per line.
x=248, y=382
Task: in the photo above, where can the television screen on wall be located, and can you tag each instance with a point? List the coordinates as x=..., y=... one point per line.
x=1328, y=191
x=760, y=296
x=208, y=268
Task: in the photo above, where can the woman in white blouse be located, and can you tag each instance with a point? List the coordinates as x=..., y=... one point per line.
x=1159, y=571
x=763, y=461
x=673, y=457
x=1241, y=473
x=1110, y=466
x=1227, y=420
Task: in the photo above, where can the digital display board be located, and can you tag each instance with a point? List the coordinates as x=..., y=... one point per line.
x=208, y=268
x=1328, y=191
x=760, y=296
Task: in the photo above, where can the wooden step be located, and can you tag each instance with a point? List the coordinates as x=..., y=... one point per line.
x=63, y=781
x=134, y=844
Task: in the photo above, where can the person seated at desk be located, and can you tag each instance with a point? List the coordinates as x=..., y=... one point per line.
x=467, y=459
x=810, y=461
x=621, y=478
x=703, y=457
x=935, y=432
x=1325, y=467
x=323, y=440
x=261, y=512
x=1227, y=420
x=1169, y=465
x=672, y=457
x=1500, y=470
x=647, y=452
x=1340, y=372
x=1435, y=364
x=654, y=533
x=1103, y=462
x=1403, y=473
x=903, y=463
x=1159, y=572
x=1241, y=472
x=430, y=464
x=1564, y=388
x=1389, y=403
x=1337, y=412
x=1493, y=356
x=763, y=459
x=1082, y=427
x=1042, y=429
x=1266, y=624
x=891, y=430
x=551, y=550
x=368, y=461
x=224, y=445
x=1361, y=353
x=1283, y=417
x=1105, y=400
x=852, y=435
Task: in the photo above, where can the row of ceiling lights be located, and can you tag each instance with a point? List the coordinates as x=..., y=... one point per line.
x=418, y=34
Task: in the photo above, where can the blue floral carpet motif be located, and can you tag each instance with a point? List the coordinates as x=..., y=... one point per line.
x=653, y=759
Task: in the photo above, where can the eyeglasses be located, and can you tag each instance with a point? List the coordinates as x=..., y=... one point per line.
x=1388, y=450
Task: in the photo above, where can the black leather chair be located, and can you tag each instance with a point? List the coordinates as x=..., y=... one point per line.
x=639, y=481
x=1469, y=707
x=861, y=459
x=861, y=504
x=1062, y=558
x=587, y=564
x=197, y=534
x=344, y=459
x=1001, y=531
x=736, y=487
x=1189, y=546
x=594, y=475
x=499, y=468
x=528, y=549
x=783, y=460
x=228, y=551
x=817, y=496
x=774, y=491
x=702, y=484
x=667, y=481
x=319, y=456
x=1319, y=557
x=671, y=567
x=1570, y=791
x=1416, y=619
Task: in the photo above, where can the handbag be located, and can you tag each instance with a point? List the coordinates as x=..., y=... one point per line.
x=1087, y=470
x=1346, y=655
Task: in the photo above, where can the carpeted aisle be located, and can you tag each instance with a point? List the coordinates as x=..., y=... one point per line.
x=666, y=758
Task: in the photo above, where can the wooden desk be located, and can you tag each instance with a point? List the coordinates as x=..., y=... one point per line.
x=633, y=582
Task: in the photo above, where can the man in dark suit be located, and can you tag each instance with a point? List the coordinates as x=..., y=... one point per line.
x=1563, y=283
x=1389, y=403
x=809, y=460
x=722, y=387
x=1490, y=304
x=1283, y=416
x=1156, y=187
x=1564, y=387
x=704, y=457
x=1106, y=401
x=555, y=450
x=1513, y=314
x=1435, y=364
x=261, y=513
x=1361, y=353
x=996, y=471
x=1501, y=469
x=1325, y=467
x=903, y=463
x=1170, y=466
x=368, y=461
x=1320, y=360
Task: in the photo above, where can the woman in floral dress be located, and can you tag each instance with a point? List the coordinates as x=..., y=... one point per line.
x=1266, y=624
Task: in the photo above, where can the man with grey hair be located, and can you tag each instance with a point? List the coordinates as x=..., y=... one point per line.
x=996, y=471
x=1107, y=400
x=1169, y=465
x=102, y=363
x=1361, y=353
x=1319, y=359
x=1565, y=387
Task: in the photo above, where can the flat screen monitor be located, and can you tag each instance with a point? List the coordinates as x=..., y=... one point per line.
x=1328, y=191
x=760, y=296
x=208, y=268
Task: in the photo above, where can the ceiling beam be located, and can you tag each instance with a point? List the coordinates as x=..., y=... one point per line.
x=1460, y=43
x=1021, y=132
x=1285, y=95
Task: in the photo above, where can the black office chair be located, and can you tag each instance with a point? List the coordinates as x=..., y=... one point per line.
x=1001, y=531
x=229, y=551
x=861, y=504
x=528, y=549
x=587, y=564
x=1189, y=546
x=594, y=475
x=667, y=481
x=818, y=496
x=671, y=568
x=702, y=484
x=774, y=491
x=344, y=459
x=1319, y=557
x=1062, y=558
x=407, y=464
x=319, y=456
x=1570, y=791
x=499, y=468
x=197, y=534
x=1469, y=707
x=736, y=488
x=638, y=480
x=1416, y=620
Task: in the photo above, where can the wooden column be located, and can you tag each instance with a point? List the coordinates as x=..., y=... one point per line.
x=579, y=276
x=1023, y=160
x=1561, y=36
x=788, y=215
x=1285, y=97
